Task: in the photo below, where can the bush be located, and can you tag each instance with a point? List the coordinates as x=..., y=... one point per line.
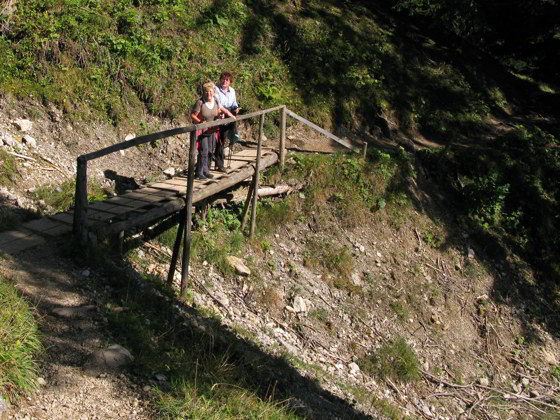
x=395, y=360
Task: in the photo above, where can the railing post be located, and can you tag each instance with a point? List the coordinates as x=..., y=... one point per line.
x=188, y=216
x=81, y=201
x=256, y=182
x=282, y=137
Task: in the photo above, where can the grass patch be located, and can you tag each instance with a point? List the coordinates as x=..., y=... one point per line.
x=395, y=360
x=330, y=259
x=209, y=377
x=20, y=344
x=61, y=198
x=8, y=169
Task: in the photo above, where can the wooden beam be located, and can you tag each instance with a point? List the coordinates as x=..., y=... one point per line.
x=81, y=202
x=188, y=217
x=283, y=137
x=320, y=130
x=256, y=175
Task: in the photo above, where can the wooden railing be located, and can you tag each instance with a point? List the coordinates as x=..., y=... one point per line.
x=81, y=197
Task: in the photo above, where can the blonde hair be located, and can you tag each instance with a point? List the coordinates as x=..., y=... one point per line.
x=206, y=87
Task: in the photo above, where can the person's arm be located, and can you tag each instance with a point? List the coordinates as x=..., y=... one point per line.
x=226, y=111
x=195, y=113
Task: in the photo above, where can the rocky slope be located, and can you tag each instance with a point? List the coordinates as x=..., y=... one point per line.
x=409, y=278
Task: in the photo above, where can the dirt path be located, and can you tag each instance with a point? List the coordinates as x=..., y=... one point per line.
x=73, y=329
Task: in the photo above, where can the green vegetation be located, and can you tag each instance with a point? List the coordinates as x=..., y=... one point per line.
x=208, y=375
x=395, y=360
x=19, y=344
x=508, y=193
x=8, y=169
x=61, y=198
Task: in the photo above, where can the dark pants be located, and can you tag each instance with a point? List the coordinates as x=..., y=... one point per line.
x=202, y=162
x=225, y=131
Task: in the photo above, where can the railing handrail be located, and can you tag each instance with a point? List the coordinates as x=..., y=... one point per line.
x=81, y=200
x=168, y=133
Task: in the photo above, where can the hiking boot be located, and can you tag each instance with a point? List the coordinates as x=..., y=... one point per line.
x=201, y=177
x=209, y=175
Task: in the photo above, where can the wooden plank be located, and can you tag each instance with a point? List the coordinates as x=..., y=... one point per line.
x=21, y=244
x=13, y=235
x=41, y=224
x=172, y=206
x=111, y=208
x=66, y=217
x=138, y=195
x=324, y=132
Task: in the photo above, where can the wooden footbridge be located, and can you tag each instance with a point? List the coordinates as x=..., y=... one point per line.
x=91, y=222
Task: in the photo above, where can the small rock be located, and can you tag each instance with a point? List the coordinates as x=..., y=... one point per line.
x=470, y=253
x=3, y=408
x=140, y=253
x=23, y=125
x=354, y=368
x=146, y=388
x=426, y=411
x=299, y=304
x=483, y=381
x=86, y=273
x=8, y=140
x=41, y=381
x=426, y=366
x=169, y=171
x=525, y=381
x=121, y=152
x=516, y=387
x=73, y=311
x=160, y=377
x=301, y=195
x=111, y=358
x=129, y=136
x=30, y=141
x=238, y=265
x=533, y=394
x=457, y=266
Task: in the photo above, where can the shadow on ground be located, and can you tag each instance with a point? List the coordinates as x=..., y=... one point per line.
x=198, y=354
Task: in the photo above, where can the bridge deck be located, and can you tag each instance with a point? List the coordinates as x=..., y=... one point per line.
x=136, y=207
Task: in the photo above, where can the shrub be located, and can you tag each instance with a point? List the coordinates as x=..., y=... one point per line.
x=395, y=360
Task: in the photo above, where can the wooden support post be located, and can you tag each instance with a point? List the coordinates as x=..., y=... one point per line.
x=257, y=170
x=364, y=149
x=247, y=202
x=282, y=137
x=120, y=243
x=81, y=202
x=176, y=248
x=188, y=216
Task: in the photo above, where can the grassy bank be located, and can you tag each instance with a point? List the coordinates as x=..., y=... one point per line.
x=19, y=343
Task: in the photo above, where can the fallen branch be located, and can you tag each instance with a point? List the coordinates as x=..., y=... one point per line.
x=21, y=156
x=268, y=191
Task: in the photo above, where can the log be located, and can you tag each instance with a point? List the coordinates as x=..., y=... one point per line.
x=280, y=189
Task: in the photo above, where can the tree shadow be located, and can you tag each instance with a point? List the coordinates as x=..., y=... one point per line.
x=198, y=354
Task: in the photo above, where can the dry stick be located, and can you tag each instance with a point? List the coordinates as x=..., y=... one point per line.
x=441, y=381
x=56, y=167
x=21, y=156
x=519, y=397
x=215, y=299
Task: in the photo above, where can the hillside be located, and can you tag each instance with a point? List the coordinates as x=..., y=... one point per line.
x=419, y=283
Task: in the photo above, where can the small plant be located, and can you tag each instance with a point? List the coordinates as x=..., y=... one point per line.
x=8, y=168
x=400, y=309
x=320, y=314
x=433, y=239
x=395, y=360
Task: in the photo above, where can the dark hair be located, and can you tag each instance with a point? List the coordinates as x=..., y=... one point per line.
x=226, y=74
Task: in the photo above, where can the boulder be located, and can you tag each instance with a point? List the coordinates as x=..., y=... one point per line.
x=238, y=265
